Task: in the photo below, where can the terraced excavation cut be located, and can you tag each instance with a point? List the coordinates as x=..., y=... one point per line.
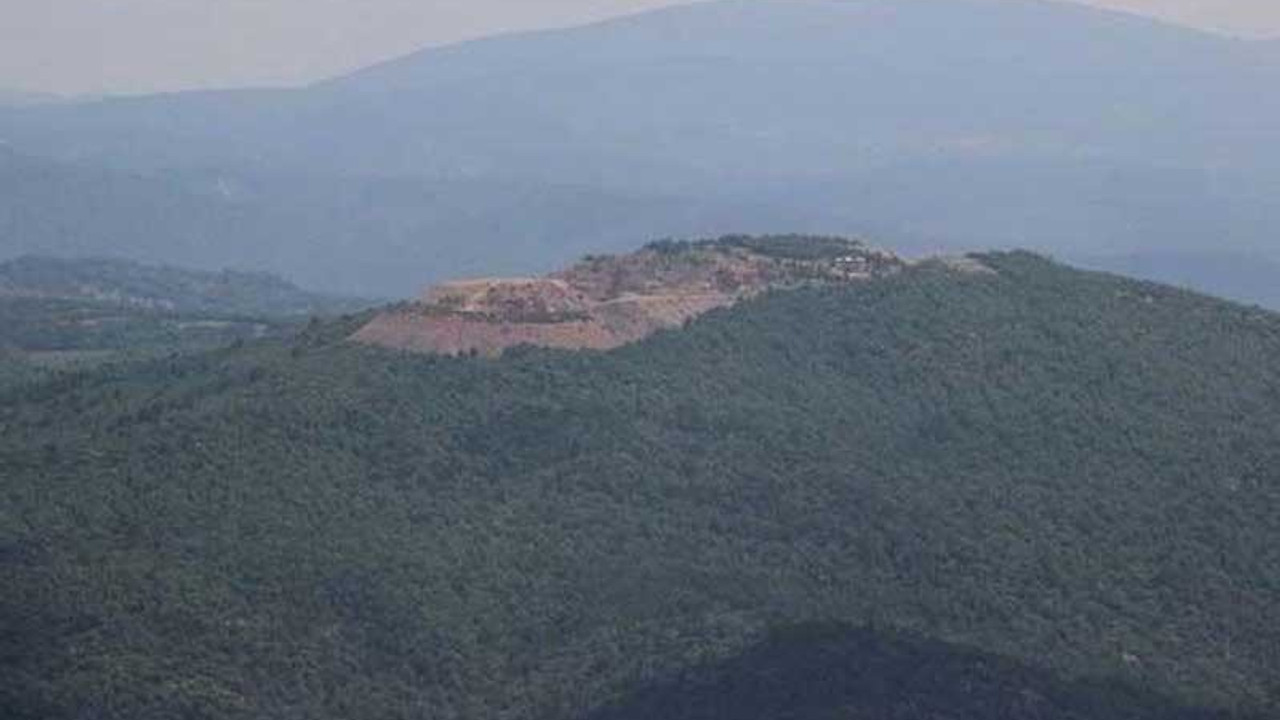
x=606, y=302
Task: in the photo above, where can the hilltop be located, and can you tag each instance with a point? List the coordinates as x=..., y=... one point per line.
x=1043, y=477
x=605, y=302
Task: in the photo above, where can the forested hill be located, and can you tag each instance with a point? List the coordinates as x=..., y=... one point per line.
x=1070, y=471
x=59, y=314
x=151, y=287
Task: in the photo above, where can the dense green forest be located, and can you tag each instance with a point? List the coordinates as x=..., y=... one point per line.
x=1070, y=471
x=43, y=337
x=826, y=671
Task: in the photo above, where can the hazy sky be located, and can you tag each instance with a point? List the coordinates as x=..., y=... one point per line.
x=121, y=46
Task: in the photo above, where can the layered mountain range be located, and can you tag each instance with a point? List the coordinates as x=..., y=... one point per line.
x=927, y=125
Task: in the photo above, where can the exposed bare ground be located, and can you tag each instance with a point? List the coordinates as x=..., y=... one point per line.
x=604, y=302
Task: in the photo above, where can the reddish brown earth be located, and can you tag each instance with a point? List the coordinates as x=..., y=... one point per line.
x=606, y=302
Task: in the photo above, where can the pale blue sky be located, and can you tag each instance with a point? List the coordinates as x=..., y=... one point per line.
x=128, y=46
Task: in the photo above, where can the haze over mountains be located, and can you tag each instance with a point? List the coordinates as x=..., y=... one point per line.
x=18, y=98
x=388, y=236
x=925, y=125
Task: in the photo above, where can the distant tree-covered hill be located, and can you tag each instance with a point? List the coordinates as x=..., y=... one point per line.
x=1072, y=471
x=58, y=314
x=373, y=237
x=125, y=283
x=43, y=337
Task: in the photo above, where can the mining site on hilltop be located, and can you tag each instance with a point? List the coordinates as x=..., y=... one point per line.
x=604, y=302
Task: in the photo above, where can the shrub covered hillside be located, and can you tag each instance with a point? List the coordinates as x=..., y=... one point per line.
x=1071, y=471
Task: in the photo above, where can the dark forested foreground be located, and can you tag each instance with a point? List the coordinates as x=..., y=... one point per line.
x=1070, y=474
x=828, y=671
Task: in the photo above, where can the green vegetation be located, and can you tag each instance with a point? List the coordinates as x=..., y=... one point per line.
x=58, y=315
x=42, y=337
x=834, y=672
x=784, y=247
x=176, y=290
x=17, y=369
x=38, y=325
x=1069, y=470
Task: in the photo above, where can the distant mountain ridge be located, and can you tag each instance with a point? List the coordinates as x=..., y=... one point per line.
x=373, y=237
x=932, y=124
x=585, y=89
x=19, y=98
x=168, y=289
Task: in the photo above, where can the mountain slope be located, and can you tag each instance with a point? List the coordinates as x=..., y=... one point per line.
x=818, y=88
x=589, y=94
x=1068, y=469
x=932, y=123
x=826, y=671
